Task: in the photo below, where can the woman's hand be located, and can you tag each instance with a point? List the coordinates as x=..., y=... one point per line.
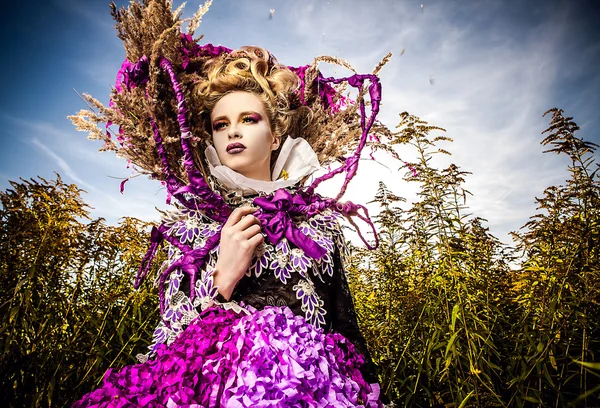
x=240, y=236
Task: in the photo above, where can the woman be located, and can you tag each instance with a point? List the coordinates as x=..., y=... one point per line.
x=255, y=306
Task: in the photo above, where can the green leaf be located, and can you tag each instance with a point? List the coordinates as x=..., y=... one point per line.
x=547, y=375
x=450, y=343
x=592, y=365
x=466, y=399
x=13, y=313
x=530, y=399
x=455, y=311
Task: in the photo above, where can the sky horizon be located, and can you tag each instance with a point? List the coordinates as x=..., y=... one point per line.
x=485, y=71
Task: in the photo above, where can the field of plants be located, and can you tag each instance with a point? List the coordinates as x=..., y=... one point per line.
x=453, y=317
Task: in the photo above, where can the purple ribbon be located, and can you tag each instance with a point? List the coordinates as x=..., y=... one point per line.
x=191, y=49
x=189, y=262
x=133, y=75
x=276, y=221
x=156, y=238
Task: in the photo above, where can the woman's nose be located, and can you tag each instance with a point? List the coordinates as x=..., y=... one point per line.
x=234, y=132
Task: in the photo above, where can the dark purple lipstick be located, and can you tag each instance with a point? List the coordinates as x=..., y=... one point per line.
x=235, y=148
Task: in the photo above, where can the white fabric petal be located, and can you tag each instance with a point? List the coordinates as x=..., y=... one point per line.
x=297, y=158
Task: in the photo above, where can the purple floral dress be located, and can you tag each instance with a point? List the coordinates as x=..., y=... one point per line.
x=288, y=337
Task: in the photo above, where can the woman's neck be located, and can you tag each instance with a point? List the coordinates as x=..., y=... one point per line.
x=261, y=173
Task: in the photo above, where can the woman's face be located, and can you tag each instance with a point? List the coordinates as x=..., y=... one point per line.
x=242, y=135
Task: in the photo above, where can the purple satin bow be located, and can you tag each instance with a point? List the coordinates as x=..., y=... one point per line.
x=277, y=223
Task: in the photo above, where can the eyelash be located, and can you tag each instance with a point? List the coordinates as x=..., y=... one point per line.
x=219, y=125
x=250, y=118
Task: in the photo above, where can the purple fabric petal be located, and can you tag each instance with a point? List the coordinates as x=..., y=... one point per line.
x=270, y=358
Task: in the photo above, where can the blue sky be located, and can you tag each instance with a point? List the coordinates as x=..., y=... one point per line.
x=483, y=70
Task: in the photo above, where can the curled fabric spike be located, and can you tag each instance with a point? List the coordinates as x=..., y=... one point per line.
x=156, y=238
x=122, y=185
x=351, y=164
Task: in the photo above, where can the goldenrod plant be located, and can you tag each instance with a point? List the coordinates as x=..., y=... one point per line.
x=66, y=300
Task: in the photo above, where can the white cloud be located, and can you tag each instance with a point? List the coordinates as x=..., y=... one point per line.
x=98, y=174
x=62, y=164
x=491, y=86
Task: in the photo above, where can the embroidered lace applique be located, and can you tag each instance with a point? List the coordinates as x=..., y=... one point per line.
x=287, y=263
x=312, y=305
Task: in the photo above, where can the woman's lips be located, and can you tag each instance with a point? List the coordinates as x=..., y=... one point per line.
x=235, y=148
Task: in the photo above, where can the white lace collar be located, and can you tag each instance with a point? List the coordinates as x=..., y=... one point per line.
x=297, y=158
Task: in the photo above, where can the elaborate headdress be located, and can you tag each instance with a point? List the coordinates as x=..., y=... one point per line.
x=167, y=86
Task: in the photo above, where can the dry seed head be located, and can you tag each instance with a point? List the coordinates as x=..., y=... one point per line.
x=197, y=18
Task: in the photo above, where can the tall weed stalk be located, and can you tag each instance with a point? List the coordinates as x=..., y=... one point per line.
x=556, y=335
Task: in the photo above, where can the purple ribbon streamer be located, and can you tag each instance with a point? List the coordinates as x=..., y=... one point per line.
x=347, y=209
x=190, y=262
x=351, y=163
x=212, y=203
x=156, y=238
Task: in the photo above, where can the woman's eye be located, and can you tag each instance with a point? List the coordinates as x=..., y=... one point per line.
x=249, y=119
x=219, y=125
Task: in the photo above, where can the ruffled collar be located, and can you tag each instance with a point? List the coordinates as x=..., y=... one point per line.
x=296, y=158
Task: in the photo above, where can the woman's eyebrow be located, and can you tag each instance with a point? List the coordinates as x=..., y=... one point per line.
x=250, y=113
x=219, y=118
x=223, y=117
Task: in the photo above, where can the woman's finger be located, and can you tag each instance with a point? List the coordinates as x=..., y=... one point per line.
x=256, y=240
x=238, y=214
x=251, y=231
x=246, y=222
